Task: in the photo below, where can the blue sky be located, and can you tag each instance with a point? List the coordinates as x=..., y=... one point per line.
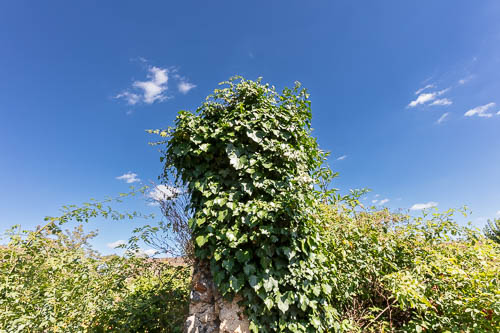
x=405, y=94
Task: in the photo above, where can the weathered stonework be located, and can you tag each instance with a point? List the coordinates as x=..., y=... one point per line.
x=208, y=311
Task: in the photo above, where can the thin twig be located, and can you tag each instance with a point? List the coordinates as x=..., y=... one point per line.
x=381, y=313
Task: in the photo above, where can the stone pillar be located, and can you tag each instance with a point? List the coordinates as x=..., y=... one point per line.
x=208, y=311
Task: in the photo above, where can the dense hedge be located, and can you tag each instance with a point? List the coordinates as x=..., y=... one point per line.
x=394, y=272
x=388, y=272
x=53, y=282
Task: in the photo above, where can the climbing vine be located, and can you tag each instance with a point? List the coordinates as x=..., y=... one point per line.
x=250, y=164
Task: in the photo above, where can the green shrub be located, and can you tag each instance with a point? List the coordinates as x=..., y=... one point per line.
x=155, y=302
x=53, y=282
x=393, y=272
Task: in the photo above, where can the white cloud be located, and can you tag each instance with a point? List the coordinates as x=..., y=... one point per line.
x=116, y=244
x=140, y=252
x=383, y=201
x=442, y=118
x=146, y=252
x=374, y=201
x=443, y=101
x=420, y=206
x=480, y=111
x=498, y=113
x=343, y=157
x=150, y=252
x=498, y=213
x=422, y=99
x=427, y=97
x=163, y=192
x=429, y=86
x=131, y=98
x=148, y=91
x=154, y=88
x=129, y=177
x=465, y=79
x=377, y=195
x=184, y=87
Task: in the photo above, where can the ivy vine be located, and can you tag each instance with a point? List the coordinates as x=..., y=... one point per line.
x=250, y=165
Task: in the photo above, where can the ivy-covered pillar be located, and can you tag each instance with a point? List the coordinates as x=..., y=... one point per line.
x=250, y=165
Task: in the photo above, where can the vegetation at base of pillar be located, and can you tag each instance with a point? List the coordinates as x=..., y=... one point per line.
x=250, y=165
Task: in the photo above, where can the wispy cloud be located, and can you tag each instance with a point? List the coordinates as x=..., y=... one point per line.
x=442, y=118
x=343, y=157
x=427, y=97
x=145, y=252
x=383, y=201
x=140, y=251
x=420, y=206
x=131, y=98
x=429, y=86
x=148, y=91
x=154, y=88
x=498, y=113
x=422, y=99
x=480, y=111
x=442, y=102
x=162, y=193
x=465, y=79
x=116, y=244
x=498, y=213
x=184, y=87
x=129, y=177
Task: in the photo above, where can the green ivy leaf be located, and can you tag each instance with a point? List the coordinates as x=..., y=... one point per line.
x=201, y=240
x=243, y=256
x=249, y=269
x=228, y=264
x=236, y=283
x=283, y=305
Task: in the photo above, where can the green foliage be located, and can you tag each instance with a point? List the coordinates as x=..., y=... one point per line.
x=304, y=258
x=52, y=281
x=249, y=163
x=393, y=272
x=492, y=230
x=155, y=301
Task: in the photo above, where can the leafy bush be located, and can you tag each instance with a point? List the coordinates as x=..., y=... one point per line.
x=52, y=281
x=155, y=301
x=393, y=272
